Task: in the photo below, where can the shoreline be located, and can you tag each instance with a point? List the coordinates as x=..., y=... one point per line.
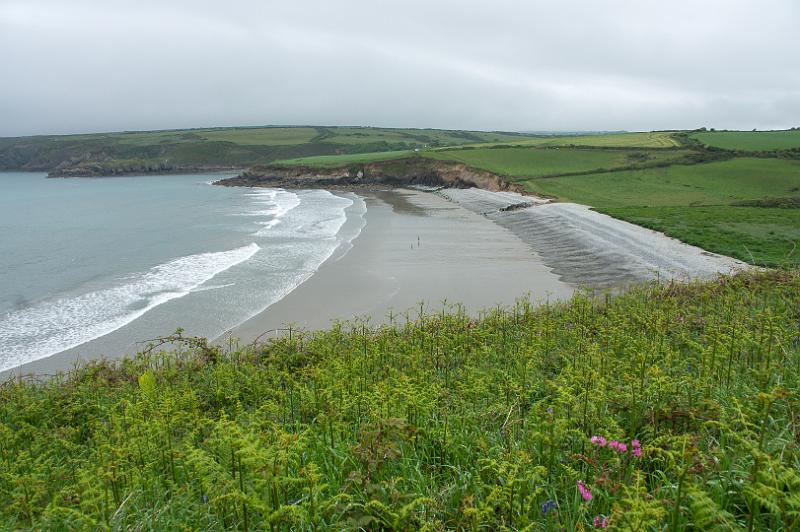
x=414, y=245
x=469, y=246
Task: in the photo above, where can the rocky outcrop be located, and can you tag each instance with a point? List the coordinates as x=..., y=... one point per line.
x=410, y=171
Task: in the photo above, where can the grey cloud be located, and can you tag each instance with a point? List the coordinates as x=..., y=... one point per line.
x=531, y=65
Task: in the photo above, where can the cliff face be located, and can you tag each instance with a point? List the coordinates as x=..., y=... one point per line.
x=395, y=173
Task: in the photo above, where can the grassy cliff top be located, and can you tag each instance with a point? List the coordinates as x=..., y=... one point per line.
x=667, y=407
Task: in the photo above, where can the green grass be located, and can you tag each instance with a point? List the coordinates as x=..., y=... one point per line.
x=750, y=140
x=716, y=183
x=332, y=161
x=230, y=147
x=694, y=203
x=270, y=136
x=439, y=422
x=414, y=137
x=654, y=139
x=762, y=236
x=518, y=163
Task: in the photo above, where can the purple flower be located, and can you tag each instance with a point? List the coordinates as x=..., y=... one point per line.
x=599, y=441
x=613, y=445
x=622, y=448
x=599, y=521
x=548, y=505
x=585, y=493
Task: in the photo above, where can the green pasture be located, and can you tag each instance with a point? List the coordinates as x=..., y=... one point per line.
x=716, y=183
x=750, y=140
x=333, y=161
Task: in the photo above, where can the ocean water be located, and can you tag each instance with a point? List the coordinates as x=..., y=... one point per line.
x=117, y=261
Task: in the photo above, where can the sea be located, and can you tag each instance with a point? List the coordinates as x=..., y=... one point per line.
x=114, y=262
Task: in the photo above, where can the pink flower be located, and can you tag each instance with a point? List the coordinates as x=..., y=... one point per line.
x=585, y=493
x=599, y=522
x=613, y=445
x=599, y=441
x=637, y=448
x=622, y=448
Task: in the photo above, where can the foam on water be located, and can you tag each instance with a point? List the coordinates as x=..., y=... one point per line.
x=278, y=203
x=53, y=326
x=291, y=235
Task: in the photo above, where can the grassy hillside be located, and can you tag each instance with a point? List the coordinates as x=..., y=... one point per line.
x=145, y=151
x=651, y=139
x=518, y=163
x=750, y=140
x=510, y=422
x=700, y=204
x=716, y=183
x=334, y=161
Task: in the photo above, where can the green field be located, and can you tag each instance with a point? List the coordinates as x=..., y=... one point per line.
x=273, y=136
x=656, y=139
x=762, y=236
x=416, y=137
x=173, y=150
x=717, y=183
x=440, y=422
x=653, y=139
x=536, y=162
x=750, y=140
x=333, y=161
x=676, y=200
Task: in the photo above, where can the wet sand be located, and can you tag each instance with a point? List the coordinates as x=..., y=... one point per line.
x=416, y=247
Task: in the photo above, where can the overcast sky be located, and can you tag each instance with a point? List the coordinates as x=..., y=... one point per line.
x=105, y=65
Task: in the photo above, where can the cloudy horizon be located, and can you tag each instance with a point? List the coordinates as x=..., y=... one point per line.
x=96, y=65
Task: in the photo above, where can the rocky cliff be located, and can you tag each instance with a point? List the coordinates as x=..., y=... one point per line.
x=410, y=171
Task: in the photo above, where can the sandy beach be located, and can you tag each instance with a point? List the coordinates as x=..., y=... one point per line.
x=414, y=247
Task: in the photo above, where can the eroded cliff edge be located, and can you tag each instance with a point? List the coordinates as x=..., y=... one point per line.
x=410, y=171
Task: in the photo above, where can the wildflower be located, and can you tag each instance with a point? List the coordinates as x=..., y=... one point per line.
x=637, y=448
x=622, y=448
x=599, y=441
x=600, y=521
x=585, y=493
x=613, y=445
x=548, y=505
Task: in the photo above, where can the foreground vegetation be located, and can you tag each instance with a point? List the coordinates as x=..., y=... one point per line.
x=664, y=408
